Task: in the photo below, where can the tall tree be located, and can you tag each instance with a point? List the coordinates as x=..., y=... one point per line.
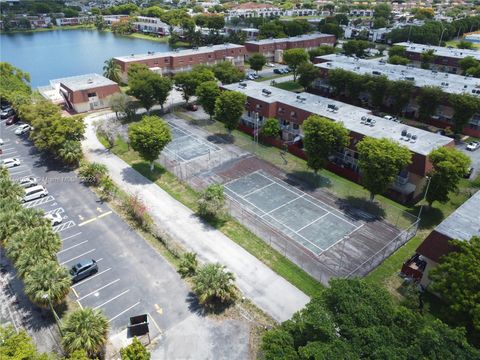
x=271, y=128
x=85, y=329
x=427, y=58
x=227, y=73
x=186, y=83
x=320, y=51
x=144, y=85
x=377, y=87
x=293, y=58
x=456, y=280
x=214, y=285
x=229, y=108
x=148, y=137
x=307, y=73
x=380, y=161
x=449, y=166
x=400, y=91
x=207, y=93
x=428, y=100
x=355, y=47
x=161, y=89
x=464, y=107
x=257, y=61
x=111, y=70
x=119, y=103
x=321, y=138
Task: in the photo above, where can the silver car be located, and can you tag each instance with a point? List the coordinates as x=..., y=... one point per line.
x=27, y=182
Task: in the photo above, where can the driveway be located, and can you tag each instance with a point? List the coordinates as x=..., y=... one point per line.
x=474, y=157
x=132, y=278
x=265, y=288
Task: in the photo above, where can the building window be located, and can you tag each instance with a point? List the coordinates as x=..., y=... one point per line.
x=92, y=94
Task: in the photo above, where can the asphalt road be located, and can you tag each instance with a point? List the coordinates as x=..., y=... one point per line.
x=132, y=277
x=474, y=157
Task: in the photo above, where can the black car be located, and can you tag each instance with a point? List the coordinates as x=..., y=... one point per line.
x=277, y=71
x=468, y=173
x=83, y=269
x=7, y=113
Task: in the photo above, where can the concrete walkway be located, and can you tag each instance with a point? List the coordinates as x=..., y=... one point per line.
x=265, y=288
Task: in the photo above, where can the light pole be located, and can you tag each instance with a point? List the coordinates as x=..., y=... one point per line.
x=441, y=37
x=429, y=179
x=57, y=319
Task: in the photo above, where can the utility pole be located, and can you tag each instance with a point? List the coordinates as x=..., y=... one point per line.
x=429, y=179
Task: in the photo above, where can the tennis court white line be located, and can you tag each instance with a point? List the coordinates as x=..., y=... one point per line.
x=124, y=311
x=343, y=237
x=90, y=278
x=108, y=301
x=100, y=288
x=76, y=257
x=314, y=221
x=254, y=191
x=279, y=207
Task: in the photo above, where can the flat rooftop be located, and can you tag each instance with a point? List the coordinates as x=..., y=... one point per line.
x=185, y=52
x=450, y=83
x=289, y=39
x=464, y=222
x=83, y=82
x=350, y=115
x=440, y=51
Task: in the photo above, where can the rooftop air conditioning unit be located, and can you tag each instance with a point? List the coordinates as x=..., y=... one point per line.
x=242, y=84
x=414, y=138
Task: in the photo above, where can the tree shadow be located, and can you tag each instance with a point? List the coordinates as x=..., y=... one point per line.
x=431, y=216
x=361, y=208
x=214, y=308
x=307, y=180
x=50, y=163
x=221, y=138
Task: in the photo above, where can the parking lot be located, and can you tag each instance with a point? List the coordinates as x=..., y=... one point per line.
x=132, y=277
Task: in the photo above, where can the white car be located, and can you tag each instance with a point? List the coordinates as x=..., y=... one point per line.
x=1, y=142
x=10, y=162
x=270, y=65
x=474, y=145
x=55, y=219
x=22, y=129
x=27, y=182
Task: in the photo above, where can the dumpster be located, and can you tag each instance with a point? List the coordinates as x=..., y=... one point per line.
x=138, y=325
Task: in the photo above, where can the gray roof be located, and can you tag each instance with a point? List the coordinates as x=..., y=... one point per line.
x=350, y=115
x=440, y=51
x=185, y=52
x=464, y=222
x=450, y=83
x=83, y=82
x=289, y=39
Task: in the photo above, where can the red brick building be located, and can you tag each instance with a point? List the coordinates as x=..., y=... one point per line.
x=169, y=63
x=462, y=224
x=273, y=48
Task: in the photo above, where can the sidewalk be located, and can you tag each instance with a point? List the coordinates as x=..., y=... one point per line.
x=265, y=288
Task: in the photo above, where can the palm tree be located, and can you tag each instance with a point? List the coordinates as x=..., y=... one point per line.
x=28, y=258
x=213, y=283
x=71, y=152
x=188, y=264
x=47, y=278
x=16, y=221
x=85, y=329
x=9, y=189
x=111, y=70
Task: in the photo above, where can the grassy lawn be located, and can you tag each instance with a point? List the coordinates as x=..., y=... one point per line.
x=275, y=76
x=289, y=85
x=229, y=226
x=161, y=39
x=455, y=42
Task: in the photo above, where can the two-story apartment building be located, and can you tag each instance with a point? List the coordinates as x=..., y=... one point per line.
x=273, y=49
x=172, y=62
x=251, y=10
x=446, y=58
x=449, y=83
x=292, y=109
x=151, y=25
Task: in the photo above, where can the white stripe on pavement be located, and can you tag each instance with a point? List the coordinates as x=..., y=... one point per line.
x=92, y=277
x=76, y=257
x=108, y=301
x=124, y=311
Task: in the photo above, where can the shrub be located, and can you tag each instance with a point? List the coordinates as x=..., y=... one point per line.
x=211, y=201
x=188, y=264
x=137, y=210
x=214, y=285
x=92, y=173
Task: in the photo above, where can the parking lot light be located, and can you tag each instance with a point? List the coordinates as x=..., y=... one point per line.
x=57, y=319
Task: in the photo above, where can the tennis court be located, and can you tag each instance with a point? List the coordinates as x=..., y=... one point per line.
x=186, y=146
x=308, y=221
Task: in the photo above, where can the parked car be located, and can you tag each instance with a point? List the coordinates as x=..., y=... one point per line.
x=1, y=142
x=35, y=192
x=277, y=71
x=55, y=219
x=10, y=162
x=4, y=107
x=270, y=65
x=468, y=173
x=7, y=113
x=22, y=129
x=27, y=182
x=474, y=145
x=250, y=77
x=83, y=269
x=192, y=107
x=12, y=120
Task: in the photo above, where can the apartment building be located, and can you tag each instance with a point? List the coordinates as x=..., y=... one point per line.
x=251, y=10
x=172, y=62
x=446, y=58
x=273, y=48
x=81, y=93
x=292, y=109
x=449, y=83
x=462, y=225
x=151, y=25
x=74, y=20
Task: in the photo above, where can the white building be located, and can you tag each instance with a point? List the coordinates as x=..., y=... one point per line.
x=151, y=25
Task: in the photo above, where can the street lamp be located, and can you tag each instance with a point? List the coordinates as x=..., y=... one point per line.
x=441, y=37
x=57, y=319
x=429, y=179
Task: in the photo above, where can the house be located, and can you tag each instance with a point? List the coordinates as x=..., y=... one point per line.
x=462, y=224
x=273, y=49
x=251, y=10
x=449, y=83
x=446, y=58
x=151, y=25
x=171, y=62
x=81, y=93
x=73, y=20
x=292, y=109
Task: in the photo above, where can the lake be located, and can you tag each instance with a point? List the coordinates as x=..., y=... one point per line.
x=55, y=54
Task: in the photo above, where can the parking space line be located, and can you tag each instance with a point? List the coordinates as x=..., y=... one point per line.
x=64, y=226
x=92, y=277
x=104, y=214
x=155, y=323
x=76, y=257
x=100, y=288
x=74, y=246
x=40, y=201
x=124, y=311
x=95, y=218
x=59, y=210
x=71, y=236
x=74, y=291
x=108, y=301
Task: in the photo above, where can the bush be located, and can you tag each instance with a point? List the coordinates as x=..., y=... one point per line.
x=211, y=201
x=214, y=285
x=135, y=351
x=137, y=210
x=188, y=264
x=107, y=188
x=92, y=173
